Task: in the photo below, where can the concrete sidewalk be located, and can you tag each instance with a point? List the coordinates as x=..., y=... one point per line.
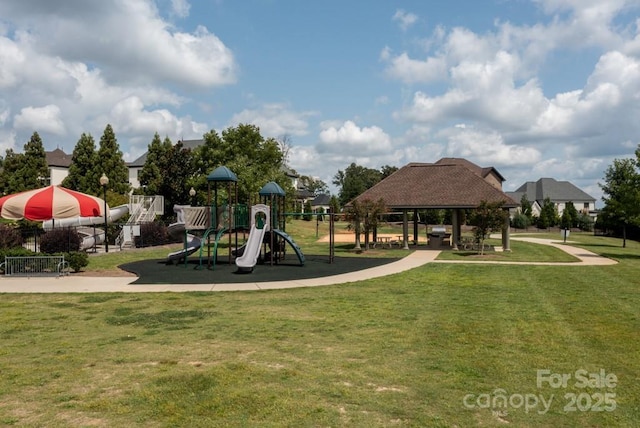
x=84, y=284
x=80, y=284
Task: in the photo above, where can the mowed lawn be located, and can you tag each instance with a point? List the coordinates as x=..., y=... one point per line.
x=448, y=345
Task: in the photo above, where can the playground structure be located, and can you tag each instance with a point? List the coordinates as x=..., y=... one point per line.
x=90, y=236
x=199, y=225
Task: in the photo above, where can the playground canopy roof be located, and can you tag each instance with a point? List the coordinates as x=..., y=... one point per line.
x=435, y=186
x=272, y=188
x=222, y=173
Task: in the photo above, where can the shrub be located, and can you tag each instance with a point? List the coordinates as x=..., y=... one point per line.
x=61, y=240
x=520, y=221
x=77, y=260
x=10, y=237
x=152, y=234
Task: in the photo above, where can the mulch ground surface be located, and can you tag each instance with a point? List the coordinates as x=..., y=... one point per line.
x=159, y=272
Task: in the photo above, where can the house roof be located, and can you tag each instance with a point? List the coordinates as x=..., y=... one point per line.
x=481, y=171
x=322, y=199
x=556, y=191
x=439, y=185
x=58, y=158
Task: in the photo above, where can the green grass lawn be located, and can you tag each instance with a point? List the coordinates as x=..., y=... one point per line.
x=429, y=347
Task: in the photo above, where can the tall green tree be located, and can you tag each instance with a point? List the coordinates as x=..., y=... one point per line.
x=168, y=171
x=31, y=169
x=548, y=214
x=621, y=190
x=254, y=159
x=111, y=162
x=525, y=207
x=354, y=180
x=83, y=173
x=154, y=171
x=10, y=181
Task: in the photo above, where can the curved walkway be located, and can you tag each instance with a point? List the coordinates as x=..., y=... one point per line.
x=79, y=284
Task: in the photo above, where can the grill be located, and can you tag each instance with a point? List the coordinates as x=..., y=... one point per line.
x=437, y=236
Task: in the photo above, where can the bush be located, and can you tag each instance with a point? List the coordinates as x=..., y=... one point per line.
x=77, y=260
x=63, y=240
x=585, y=223
x=152, y=234
x=520, y=221
x=10, y=237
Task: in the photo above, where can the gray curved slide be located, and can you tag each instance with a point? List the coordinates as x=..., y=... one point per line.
x=193, y=242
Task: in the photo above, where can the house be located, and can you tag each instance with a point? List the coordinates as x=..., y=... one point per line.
x=321, y=203
x=559, y=193
x=58, y=162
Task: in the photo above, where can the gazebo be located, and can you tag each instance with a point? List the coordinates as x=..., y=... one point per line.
x=451, y=183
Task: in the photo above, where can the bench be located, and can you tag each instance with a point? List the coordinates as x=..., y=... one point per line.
x=35, y=266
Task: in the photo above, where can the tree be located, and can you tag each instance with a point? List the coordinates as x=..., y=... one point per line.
x=487, y=218
x=111, y=163
x=622, y=194
x=525, y=207
x=314, y=185
x=83, y=173
x=168, y=171
x=387, y=170
x=10, y=180
x=548, y=214
x=572, y=214
x=372, y=211
x=354, y=180
x=154, y=171
x=32, y=171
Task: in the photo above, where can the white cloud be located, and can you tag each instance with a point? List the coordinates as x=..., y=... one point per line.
x=180, y=8
x=404, y=19
x=128, y=40
x=275, y=120
x=350, y=138
x=40, y=119
x=487, y=148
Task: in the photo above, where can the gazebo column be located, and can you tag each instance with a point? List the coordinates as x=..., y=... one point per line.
x=506, y=232
x=405, y=229
x=455, y=228
x=415, y=226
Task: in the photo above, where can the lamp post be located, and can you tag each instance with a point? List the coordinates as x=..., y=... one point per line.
x=192, y=193
x=104, y=181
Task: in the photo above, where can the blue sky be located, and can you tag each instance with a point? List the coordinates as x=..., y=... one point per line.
x=535, y=88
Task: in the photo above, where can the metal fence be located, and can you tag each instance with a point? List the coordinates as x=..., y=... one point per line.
x=35, y=266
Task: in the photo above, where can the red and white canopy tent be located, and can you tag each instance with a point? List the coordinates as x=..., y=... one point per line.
x=50, y=203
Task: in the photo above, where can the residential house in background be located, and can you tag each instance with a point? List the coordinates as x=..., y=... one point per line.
x=321, y=203
x=558, y=192
x=58, y=162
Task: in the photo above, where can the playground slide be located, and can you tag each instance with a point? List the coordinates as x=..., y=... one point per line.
x=249, y=257
x=193, y=242
x=293, y=245
x=90, y=236
x=114, y=214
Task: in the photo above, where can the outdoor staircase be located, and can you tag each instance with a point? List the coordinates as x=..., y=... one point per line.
x=142, y=209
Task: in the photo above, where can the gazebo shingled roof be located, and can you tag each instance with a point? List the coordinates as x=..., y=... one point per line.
x=426, y=185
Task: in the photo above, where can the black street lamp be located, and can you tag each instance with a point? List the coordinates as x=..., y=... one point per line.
x=104, y=181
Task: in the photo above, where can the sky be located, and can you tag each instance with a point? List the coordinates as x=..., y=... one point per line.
x=534, y=88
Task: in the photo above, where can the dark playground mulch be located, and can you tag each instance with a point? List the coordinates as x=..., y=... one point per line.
x=157, y=271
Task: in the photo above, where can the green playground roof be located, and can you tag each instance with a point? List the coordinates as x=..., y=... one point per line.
x=222, y=173
x=272, y=188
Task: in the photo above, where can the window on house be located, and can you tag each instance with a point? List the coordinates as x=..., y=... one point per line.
x=586, y=205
